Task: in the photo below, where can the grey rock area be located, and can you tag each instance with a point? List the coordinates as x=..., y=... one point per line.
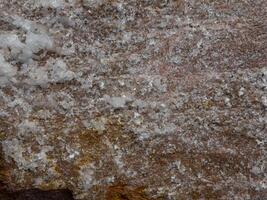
x=136, y=100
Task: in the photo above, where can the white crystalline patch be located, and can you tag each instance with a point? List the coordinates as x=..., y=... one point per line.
x=23, y=52
x=178, y=164
x=34, y=41
x=99, y=124
x=241, y=91
x=7, y=71
x=140, y=104
x=87, y=176
x=55, y=71
x=264, y=76
x=38, y=76
x=256, y=170
x=166, y=129
x=42, y=154
x=49, y=3
x=25, y=24
x=116, y=102
x=157, y=83
x=18, y=49
x=67, y=49
x=20, y=102
x=118, y=160
x=29, y=127
x=67, y=102
x=92, y=3
x=137, y=119
x=14, y=150
x=60, y=72
x=143, y=136
x=28, y=25
x=37, y=42
x=11, y=41
x=72, y=153
x=264, y=100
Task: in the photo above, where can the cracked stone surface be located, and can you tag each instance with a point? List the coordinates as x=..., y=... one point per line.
x=137, y=99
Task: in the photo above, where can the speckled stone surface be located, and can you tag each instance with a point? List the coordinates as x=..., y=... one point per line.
x=137, y=99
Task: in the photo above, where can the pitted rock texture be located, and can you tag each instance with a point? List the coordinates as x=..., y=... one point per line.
x=137, y=99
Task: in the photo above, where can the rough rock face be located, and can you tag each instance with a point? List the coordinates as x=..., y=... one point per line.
x=136, y=99
x=36, y=194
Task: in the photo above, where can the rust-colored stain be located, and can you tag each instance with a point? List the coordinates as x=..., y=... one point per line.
x=124, y=192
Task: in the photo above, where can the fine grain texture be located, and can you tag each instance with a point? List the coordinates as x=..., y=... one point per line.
x=133, y=100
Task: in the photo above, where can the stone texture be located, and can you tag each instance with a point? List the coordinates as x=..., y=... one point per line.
x=36, y=194
x=138, y=100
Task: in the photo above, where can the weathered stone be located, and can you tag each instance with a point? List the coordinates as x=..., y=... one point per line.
x=137, y=100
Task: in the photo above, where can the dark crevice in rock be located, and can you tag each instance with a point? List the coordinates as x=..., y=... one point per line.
x=34, y=194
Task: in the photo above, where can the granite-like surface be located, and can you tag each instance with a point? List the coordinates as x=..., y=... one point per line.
x=137, y=99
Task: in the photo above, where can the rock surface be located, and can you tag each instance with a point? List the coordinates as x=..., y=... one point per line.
x=138, y=100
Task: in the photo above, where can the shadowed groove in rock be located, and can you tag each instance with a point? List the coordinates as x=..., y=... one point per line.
x=34, y=194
